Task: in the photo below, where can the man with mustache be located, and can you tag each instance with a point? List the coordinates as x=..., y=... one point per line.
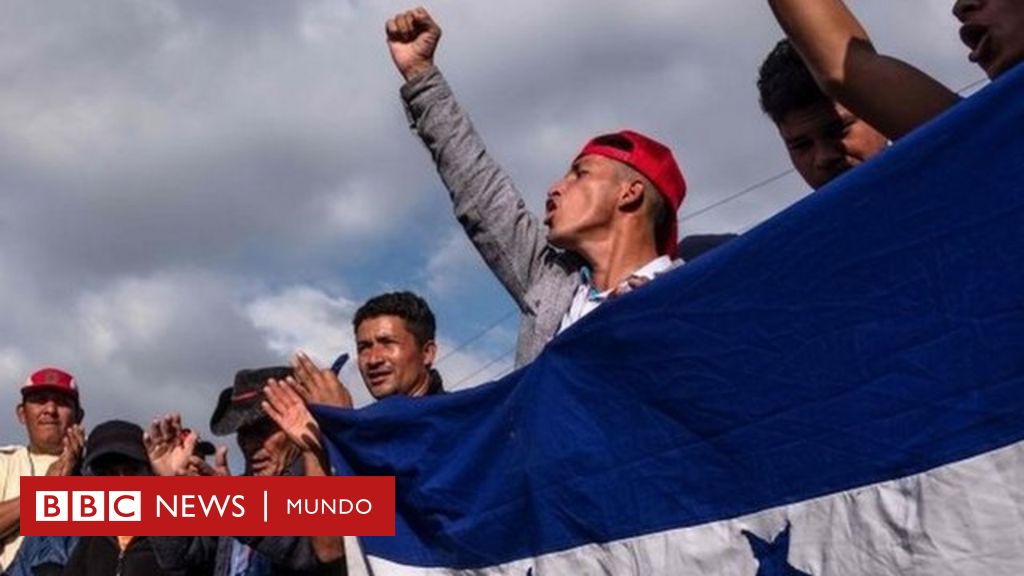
x=847, y=67
x=396, y=349
x=395, y=346
x=612, y=217
x=51, y=413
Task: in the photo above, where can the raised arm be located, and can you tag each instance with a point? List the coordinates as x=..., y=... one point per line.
x=887, y=93
x=486, y=203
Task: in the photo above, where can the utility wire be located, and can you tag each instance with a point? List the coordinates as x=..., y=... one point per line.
x=494, y=361
x=478, y=335
x=739, y=194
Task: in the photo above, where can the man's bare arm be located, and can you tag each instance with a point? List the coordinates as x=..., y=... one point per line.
x=326, y=548
x=10, y=516
x=887, y=93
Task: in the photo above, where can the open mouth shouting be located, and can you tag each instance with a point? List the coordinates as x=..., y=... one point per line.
x=977, y=38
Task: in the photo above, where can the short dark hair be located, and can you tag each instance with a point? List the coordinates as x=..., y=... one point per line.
x=405, y=305
x=786, y=84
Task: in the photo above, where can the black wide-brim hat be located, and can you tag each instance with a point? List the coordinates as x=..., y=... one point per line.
x=239, y=405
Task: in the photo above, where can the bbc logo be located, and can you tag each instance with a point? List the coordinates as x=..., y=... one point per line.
x=89, y=506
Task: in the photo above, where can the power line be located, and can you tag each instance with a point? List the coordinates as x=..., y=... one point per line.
x=478, y=371
x=477, y=336
x=504, y=369
x=506, y=372
x=743, y=192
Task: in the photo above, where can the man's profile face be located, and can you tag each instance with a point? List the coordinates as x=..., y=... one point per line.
x=391, y=360
x=266, y=448
x=994, y=31
x=824, y=140
x=46, y=415
x=582, y=204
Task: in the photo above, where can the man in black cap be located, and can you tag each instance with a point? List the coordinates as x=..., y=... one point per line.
x=114, y=448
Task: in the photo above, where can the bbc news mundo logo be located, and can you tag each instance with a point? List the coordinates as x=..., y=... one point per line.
x=88, y=506
x=208, y=506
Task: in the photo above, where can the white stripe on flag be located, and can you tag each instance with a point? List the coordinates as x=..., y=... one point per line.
x=965, y=518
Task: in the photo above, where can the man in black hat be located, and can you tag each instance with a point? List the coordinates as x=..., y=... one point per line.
x=265, y=448
x=267, y=451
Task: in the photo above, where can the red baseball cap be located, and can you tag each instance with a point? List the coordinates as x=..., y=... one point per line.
x=655, y=161
x=53, y=379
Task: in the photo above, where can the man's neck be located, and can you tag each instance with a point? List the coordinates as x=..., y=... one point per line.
x=43, y=450
x=613, y=262
x=421, y=388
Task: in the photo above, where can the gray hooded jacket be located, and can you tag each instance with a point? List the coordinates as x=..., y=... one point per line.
x=540, y=278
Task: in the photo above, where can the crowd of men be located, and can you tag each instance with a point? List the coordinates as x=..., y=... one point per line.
x=609, y=227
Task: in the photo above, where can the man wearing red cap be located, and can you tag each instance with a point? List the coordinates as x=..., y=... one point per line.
x=611, y=219
x=51, y=414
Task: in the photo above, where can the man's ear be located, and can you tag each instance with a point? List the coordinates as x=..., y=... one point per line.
x=20, y=411
x=632, y=196
x=429, y=353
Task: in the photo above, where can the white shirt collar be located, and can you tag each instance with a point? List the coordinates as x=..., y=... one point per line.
x=587, y=298
x=647, y=271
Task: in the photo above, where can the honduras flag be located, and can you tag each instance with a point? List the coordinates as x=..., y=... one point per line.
x=838, y=392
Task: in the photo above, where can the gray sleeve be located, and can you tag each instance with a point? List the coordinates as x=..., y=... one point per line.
x=486, y=203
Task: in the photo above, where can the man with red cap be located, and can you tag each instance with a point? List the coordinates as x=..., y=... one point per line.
x=51, y=413
x=611, y=219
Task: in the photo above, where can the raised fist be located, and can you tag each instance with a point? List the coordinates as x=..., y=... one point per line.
x=412, y=38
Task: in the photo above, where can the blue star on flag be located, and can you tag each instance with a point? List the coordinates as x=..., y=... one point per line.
x=773, y=557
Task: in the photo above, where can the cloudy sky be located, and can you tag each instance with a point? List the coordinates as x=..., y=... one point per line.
x=189, y=187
